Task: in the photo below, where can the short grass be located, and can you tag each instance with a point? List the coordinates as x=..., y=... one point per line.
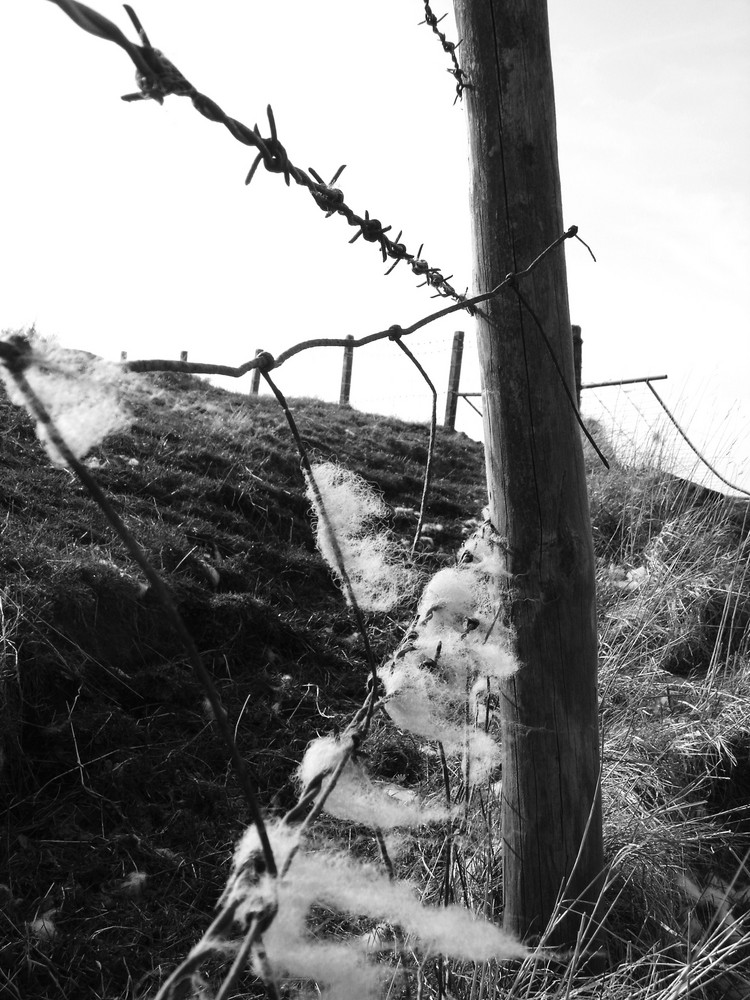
x=119, y=807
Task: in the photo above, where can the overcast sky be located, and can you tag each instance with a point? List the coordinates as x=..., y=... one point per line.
x=128, y=226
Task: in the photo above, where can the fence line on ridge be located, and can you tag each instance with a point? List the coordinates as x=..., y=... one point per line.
x=634, y=446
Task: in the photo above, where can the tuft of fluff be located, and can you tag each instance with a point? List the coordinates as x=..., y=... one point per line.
x=293, y=953
x=321, y=757
x=415, y=699
x=421, y=703
x=452, y=592
x=363, y=890
x=452, y=660
x=358, y=798
x=249, y=886
x=371, y=561
x=78, y=391
x=333, y=880
x=481, y=756
x=475, y=654
x=481, y=556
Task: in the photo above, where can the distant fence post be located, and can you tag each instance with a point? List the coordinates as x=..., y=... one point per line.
x=123, y=355
x=183, y=355
x=255, y=383
x=454, y=379
x=577, y=357
x=346, y=372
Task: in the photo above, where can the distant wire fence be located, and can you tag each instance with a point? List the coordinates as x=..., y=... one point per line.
x=454, y=394
x=647, y=431
x=631, y=442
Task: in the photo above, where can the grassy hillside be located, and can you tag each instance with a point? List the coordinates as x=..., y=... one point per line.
x=120, y=809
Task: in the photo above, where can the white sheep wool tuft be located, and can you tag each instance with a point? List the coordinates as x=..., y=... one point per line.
x=78, y=390
x=334, y=881
x=452, y=659
x=351, y=511
x=361, y=799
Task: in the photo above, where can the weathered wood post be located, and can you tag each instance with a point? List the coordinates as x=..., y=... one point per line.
x=577, y=360
x=123, y=355
x=346, y=373
x=454, y=380
x=183, y=355
x=255, y=380
x=550, y=800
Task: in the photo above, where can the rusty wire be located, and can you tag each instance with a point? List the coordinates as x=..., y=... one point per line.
x=157, y=78
x=457, y=73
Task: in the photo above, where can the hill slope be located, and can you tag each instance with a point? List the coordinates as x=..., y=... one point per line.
x=111, y=762
x=112, y=767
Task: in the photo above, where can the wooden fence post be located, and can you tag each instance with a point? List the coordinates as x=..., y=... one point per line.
x=551, y=805
x=577, y=360
x=454, y=380
x=183, y=355
x=123, y=355
x=255, y=381
x=346, y=373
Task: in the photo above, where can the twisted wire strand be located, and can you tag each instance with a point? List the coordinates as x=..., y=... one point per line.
x=457, y=73
x=157, y=78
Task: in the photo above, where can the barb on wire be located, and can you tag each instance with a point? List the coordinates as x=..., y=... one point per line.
x=687, y=440
x=457, y=73
x=396, y=334
x=157, y=78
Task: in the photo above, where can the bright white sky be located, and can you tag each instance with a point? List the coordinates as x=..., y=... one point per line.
x=128, y=226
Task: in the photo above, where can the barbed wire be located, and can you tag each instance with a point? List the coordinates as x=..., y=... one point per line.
x=157, y=77
x=450, y=47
